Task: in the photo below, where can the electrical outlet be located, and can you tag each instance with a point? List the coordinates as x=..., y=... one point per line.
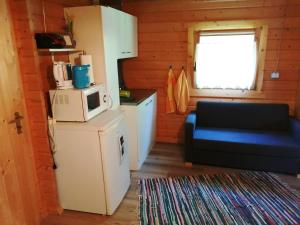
x=275, y=75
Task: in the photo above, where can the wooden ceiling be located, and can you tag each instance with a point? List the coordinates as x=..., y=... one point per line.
x=112, y=3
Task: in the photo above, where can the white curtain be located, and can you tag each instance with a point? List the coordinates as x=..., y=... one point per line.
x=226, y=61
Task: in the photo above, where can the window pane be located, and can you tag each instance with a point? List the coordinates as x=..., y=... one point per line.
x=226, y=61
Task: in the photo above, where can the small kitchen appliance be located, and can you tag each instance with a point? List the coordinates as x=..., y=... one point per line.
x=62, y=73
x=92, y=161
x=78, y=104
x=81, y=76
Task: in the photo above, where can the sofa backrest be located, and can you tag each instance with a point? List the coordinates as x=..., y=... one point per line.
x=255, y=116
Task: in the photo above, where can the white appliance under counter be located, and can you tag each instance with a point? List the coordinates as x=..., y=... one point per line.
x=92, y=163
x=141, y=120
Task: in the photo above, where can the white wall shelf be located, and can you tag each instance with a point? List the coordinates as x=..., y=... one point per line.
x=58, y=50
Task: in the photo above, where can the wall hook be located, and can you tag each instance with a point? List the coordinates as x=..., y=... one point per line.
x=170, y=67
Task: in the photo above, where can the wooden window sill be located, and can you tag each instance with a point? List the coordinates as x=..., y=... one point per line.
x=216, y=93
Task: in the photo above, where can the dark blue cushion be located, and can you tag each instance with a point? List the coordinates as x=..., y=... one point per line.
x=268, y=143
x=295, y=129
x=253, y=116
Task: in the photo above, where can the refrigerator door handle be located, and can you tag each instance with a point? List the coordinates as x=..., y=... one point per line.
x=121, y=144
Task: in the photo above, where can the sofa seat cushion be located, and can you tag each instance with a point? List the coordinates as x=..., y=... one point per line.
x=239, y=141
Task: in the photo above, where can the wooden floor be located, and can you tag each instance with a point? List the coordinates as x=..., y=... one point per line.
x=164, y=160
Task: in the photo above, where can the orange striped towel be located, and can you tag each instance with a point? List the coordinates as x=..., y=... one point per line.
x=170, y=102
x=181, y=93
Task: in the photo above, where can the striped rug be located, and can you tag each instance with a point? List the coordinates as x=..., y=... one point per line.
x=244, y=198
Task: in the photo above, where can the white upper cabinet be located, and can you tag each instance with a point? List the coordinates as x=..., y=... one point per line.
x=108, y=35
x=128, y=35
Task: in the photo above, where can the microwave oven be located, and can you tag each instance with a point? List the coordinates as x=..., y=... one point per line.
x=78, y=104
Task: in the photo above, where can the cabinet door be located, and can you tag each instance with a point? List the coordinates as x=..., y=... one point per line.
x=145, y=127
x=122, y=35
x=114, y=149
x=153, y=127
x=79, y=173
x=132, y=36
x=128, y=35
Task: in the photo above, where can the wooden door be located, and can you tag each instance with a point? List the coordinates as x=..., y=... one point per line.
x=18, y=183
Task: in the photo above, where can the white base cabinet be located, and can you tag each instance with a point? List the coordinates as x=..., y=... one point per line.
x=141, y=120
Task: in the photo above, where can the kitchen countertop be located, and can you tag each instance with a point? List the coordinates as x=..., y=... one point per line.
x=137, y=96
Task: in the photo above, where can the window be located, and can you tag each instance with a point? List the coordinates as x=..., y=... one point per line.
x=226, y=60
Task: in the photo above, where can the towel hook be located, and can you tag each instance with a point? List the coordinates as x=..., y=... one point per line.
x=182, y=67
x=170, y=67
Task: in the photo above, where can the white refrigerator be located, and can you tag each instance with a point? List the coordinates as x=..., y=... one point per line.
x=92, y=163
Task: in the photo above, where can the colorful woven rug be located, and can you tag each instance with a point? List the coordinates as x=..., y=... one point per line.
x=244, y=198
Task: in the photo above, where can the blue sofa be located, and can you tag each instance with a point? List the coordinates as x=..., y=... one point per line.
x=243, y=135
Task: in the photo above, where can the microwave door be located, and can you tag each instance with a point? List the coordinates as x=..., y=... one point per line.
x=92, y=105
x=93, y=101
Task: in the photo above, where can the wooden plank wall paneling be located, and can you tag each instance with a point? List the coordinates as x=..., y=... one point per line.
x=36, y=77
x=162, y=36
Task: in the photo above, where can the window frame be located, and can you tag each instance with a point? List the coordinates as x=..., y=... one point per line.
x=223, y=26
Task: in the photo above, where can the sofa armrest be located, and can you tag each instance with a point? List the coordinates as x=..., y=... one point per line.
x=295, y=129
x=189, y=128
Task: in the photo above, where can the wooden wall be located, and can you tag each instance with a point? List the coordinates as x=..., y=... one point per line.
x=162, y=26
x=28, y=19
x=54, y=22
x=162, y=41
